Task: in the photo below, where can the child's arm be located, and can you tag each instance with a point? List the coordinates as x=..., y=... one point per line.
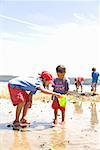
x=45, y=91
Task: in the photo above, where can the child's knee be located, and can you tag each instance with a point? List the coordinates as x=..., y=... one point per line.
x=21, y=104
x=62, y=110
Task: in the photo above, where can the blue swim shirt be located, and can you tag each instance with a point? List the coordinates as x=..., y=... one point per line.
x=26, y=83
x=95, y=76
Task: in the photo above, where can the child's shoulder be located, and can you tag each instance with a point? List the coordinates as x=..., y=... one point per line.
x=56, y=78
x=59, y=79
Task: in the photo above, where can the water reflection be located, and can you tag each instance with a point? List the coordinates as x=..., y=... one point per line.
x=94, y=118
x=58, y=140
x=78, y=107
x=20, y=141
x=81, y=131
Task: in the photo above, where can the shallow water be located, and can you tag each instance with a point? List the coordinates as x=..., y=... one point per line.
x=86, y=88
x=80, y=132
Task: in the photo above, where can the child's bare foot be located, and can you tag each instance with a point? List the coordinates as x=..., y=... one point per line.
x=63, y=123
x=55, y=122
x=16, y=123
x=24, y=121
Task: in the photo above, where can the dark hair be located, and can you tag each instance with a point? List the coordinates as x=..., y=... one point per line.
x=61, y=69
x=93, y=69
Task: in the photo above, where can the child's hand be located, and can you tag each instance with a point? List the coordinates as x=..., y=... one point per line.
x=58, y=95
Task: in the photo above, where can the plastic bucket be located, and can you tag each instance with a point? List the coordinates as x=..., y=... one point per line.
x=62, y=101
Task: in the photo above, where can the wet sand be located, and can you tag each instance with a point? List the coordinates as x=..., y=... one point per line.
x=80, y=132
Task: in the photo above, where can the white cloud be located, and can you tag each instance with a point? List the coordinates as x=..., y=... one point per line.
x=15, y=19
x=73, y=44
x=5, y=35
x=79, y=17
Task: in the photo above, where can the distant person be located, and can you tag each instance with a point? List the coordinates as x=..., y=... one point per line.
x=60, y=86
x=79, y=83
x=21, y=90
x=95, y=76
x=76, y=84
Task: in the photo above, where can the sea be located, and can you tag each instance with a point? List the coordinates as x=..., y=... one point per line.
x=86, y=88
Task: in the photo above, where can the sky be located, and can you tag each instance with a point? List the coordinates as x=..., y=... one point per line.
x=39, y=35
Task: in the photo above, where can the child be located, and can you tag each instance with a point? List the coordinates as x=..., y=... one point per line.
x=76, y=84
x=95, y=76
x=60, y=86
x=79, y=83
x=21, y=90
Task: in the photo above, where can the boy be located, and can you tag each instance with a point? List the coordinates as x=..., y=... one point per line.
x=95, y=76
x=60, y=86
x=21, y=90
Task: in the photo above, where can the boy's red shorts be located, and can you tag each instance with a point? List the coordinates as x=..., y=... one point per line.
x=17, y=95
x=56, y=105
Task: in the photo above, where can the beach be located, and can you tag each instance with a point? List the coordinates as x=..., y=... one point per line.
x=80, y=132
x=52, y=44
